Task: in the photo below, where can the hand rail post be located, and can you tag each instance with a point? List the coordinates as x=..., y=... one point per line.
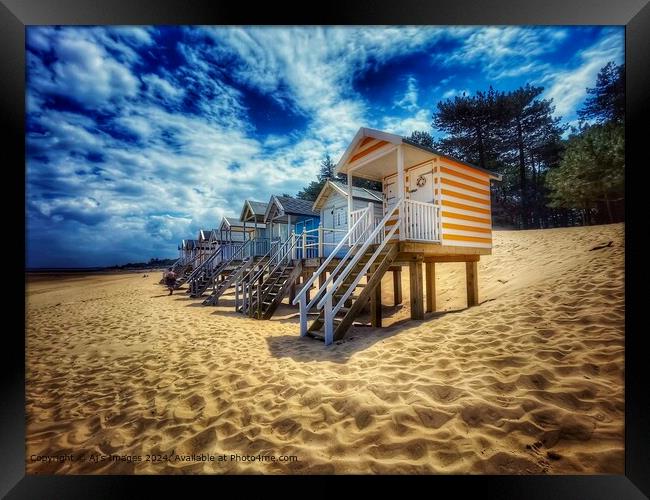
x=320, y=240
x=304, y=243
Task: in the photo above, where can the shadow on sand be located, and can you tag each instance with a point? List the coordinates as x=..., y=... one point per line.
x=359, y=338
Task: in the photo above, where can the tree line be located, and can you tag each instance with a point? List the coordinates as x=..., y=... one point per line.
x=549, y=180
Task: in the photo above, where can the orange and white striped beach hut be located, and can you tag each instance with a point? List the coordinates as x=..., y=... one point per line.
x=444, y=201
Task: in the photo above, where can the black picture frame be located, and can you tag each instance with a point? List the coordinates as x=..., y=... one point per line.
x=634, y=14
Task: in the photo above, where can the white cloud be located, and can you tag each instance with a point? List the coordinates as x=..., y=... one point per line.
x=568, y=88
x=194, y=162
x=503, y=51
x=83, y=71
x=162, y=87
x=409, y=99
x=454, y=92
x=405, y=126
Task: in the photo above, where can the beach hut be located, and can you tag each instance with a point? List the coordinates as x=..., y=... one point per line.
x=252, y=216
x=285, y=215
x=332, y=205
x=435, y=209
x=205, y=245
x=290, y=223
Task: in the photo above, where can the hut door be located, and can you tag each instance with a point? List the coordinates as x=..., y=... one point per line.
x=390, y=192
x=420, y=184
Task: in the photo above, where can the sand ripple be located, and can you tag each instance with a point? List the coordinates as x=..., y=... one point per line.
x=531, y=381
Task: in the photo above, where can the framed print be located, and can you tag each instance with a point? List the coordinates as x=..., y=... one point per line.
x=374, y=242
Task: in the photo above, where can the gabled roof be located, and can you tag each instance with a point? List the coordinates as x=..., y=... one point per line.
x=232, y=223
x=387, y=138
x=257, y=208
x=290, y=206
x=205, y=234
x=357, y=192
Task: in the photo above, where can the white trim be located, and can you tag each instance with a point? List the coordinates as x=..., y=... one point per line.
x=375, y=155
x=400, y=184
x=362, y=133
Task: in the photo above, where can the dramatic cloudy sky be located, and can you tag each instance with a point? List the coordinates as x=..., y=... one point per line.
x=138, y=137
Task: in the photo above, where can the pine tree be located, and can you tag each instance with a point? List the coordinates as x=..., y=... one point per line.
x=422, y=138
x=606, y=101
x=592, y=170
x=528, y=132
x=326, y=172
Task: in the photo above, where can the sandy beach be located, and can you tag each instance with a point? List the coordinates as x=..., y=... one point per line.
x=529, y=382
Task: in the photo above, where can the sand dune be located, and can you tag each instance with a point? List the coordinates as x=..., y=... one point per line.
x=530, y=381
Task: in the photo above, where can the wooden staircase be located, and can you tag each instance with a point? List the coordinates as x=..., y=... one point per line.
x=228, y=279
x=370, y=253
x=184, y=273
x=203, y=278
x=265, y=298
x=227, y=256
x=345, y=316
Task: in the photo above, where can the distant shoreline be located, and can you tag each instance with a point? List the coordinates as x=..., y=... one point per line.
x=90, y=270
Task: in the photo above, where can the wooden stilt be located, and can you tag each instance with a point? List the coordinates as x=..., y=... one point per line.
x=321, y=279
x=417, y=299
x=430, y=271
x=375, y=305
x=397, y=287
x=292, y=291
x=471, y=275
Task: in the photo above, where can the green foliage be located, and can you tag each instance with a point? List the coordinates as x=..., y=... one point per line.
x=512, y=133
x=592, y=169
x=547, y=181
x=422, y=138
x=327, y=166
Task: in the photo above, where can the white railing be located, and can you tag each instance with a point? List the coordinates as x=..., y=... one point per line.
x=355, y=215
x=246, y=279
x=281, y=253
x=421, y=221
x=326, y=302
x=365, y=232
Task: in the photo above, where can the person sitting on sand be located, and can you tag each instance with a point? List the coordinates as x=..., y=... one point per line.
x=170, y=280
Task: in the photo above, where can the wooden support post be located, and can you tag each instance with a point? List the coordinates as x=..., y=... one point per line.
x=417, y=299
x=375, y=306
x=321, y=279
x=375, y=299
x=292, y=290
x=471, y=275
x=430, y=271
x=397, y=287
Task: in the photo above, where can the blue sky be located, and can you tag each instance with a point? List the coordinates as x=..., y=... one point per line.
x=138, y=137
